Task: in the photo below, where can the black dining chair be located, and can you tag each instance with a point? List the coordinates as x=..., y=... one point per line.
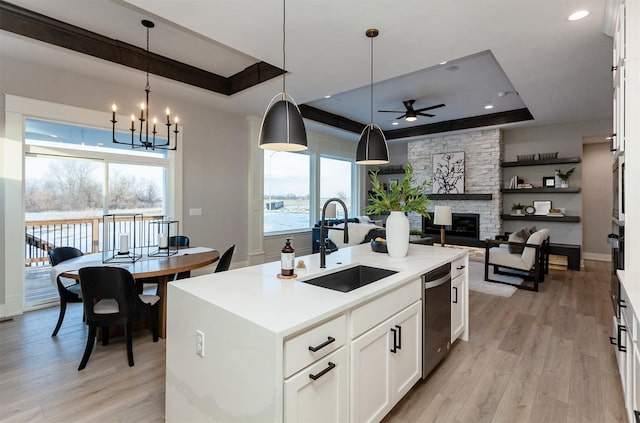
x=111, y=298
x=179, y=241
x=69, y=293
x=225, y=260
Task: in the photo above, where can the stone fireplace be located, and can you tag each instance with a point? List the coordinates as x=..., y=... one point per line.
x=483, y=174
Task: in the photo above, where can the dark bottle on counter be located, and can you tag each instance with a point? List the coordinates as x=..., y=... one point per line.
x=287, y=259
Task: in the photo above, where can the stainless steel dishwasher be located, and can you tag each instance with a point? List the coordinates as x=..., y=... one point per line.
x=436, y=317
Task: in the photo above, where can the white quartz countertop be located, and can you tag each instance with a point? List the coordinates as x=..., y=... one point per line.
x=284, y=306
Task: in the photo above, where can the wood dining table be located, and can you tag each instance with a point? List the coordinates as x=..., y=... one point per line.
x=160, y=270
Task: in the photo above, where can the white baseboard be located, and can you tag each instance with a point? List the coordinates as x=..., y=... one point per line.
x=596, y=256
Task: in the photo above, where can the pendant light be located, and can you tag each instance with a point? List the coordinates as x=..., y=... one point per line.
x=372, y=147
x=282, y=127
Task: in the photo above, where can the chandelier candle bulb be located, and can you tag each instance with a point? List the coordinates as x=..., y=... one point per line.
x=154, y=125
x=168, y=113
x=114, y=109
x=133, y=122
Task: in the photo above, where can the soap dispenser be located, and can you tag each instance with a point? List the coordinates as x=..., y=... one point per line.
x=287, y=259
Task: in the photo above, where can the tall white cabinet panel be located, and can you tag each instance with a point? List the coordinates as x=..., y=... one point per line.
x=319, y=393
x=385, y=364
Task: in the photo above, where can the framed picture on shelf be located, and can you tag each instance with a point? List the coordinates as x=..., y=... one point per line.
x=548, y=181
x=542, y=207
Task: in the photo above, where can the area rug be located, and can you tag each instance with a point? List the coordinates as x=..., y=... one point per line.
x=477, y=282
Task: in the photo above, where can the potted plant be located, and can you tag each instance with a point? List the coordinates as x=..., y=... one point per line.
x=415, y=234
x=407, y=196
x=517, y=208
x=564, y=177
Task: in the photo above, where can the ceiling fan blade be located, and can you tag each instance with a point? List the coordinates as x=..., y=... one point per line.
x=401, y=116
x=430, y=107
x=390, y=111
x=425, y=114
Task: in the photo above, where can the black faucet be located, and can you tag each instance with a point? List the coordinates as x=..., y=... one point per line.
x=323, y=228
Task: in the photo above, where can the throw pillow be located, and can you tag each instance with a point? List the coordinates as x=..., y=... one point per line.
x=520, y=236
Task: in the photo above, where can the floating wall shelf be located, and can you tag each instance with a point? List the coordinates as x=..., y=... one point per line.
x=565, y=160
x=540, y=190
x=565, y=219
x=467, y=197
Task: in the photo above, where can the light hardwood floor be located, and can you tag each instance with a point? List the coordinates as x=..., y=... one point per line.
x=533, y=357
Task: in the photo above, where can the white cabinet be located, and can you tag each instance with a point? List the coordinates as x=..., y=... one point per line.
x=319, y=393
x=316, y=371
x=385, y=364
x=458, y=297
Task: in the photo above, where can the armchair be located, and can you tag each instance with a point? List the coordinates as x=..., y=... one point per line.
x=531, y=264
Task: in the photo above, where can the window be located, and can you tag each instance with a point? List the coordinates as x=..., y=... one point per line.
x=286, y=191
x=336, y=181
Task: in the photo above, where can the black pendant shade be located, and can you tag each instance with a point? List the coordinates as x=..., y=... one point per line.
x=372, y=147
x=282, y=127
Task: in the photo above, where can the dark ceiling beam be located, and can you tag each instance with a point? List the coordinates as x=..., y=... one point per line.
x=337, y=121
x=340, y=122
x=30, y=24
x=500, y=118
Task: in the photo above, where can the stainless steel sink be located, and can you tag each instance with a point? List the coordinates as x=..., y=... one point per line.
x=351, y=278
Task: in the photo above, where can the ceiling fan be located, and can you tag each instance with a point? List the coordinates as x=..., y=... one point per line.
x=412, y=114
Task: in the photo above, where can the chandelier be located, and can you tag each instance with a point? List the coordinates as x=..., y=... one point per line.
x=144, y=140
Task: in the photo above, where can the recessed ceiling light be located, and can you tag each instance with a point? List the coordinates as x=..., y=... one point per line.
x=327, y=96
x=488, y=106
x=395, y=123
x=576, y=16
x=443, y=63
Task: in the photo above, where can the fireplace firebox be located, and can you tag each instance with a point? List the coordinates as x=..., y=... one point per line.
x=464, y=229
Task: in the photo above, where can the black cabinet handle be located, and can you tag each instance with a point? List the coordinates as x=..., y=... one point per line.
x=621, y=303
x=395, y=339
x=613, y=341
x=456, y=300
x=322, y=373
x=621, y=347
x=399, y=337
x=329, y=340
x=460, y=267
x=636, y=413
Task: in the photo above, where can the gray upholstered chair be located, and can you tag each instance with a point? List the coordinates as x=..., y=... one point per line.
x=529, y=262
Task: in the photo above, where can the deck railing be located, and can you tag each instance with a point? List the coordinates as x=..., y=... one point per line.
x=83, y=234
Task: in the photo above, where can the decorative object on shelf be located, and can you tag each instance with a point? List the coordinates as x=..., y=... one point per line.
x=448, y=173
x=525, y=157
x=282, y=126
x=121, y=235
x=146, y=142
x=405, y=197
x=549, y=181
x=547, y=156
x=564, y=177
x=529, y=210
x=555, y=213
x=158, y=235
x=442, y=216
x=542, y=207
x=372, y=146
x=517, y=209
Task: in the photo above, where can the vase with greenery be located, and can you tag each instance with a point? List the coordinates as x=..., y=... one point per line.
x=564, y=177
x=407, y=196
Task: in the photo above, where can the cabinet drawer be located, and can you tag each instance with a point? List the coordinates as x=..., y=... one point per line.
x=324, y=338
x=458, y=267
x=369, y=315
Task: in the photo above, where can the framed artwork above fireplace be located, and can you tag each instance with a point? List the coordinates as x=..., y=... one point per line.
x=448, y=173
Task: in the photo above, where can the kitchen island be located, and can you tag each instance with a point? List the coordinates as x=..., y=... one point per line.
x=244, y=345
